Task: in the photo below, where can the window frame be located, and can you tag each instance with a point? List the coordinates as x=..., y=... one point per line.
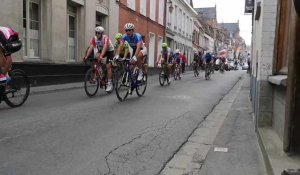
x=27, y=31
x=131, y=4
x=75, y=15
x=282, y=38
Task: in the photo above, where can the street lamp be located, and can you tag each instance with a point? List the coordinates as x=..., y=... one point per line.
x=171, y=8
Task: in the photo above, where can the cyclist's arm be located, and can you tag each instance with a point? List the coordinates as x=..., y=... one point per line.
x=168, y=57
x=138, y=47
x=105, y=47
x=120, y=47
x=89, y=51
x=126, y=53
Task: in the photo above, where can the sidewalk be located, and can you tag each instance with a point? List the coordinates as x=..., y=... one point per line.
x=225, y=143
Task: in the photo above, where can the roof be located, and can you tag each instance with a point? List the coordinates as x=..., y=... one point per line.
x=209, y=12
x=231, y=27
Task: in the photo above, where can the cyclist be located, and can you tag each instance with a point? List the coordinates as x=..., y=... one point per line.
x=135, y=41
x=9, y=43
x=177, y=60
x=124, y=51
x=166, y=57
x=196, y=59
x=208, y=60
x=102, y=47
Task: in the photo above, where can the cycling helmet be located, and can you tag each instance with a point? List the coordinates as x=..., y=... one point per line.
x=177, y=51
x=118, y=36
x=99, y=29
x=14, y=43
x=164, y=45
x=129, y=26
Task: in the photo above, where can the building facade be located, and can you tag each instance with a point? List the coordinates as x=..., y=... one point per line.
x=56, y=33
x=179, y=26
x=275, y=78
x=148, y=16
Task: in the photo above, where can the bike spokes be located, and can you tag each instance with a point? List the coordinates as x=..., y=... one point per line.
x=142, y=86
x=91, y=83
x=123, y=86
x=17, y=89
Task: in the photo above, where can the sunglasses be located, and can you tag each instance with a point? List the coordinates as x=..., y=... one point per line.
x=98, y=33
x=128, y=30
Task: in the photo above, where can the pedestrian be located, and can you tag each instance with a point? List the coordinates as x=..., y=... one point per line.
x=184, y=59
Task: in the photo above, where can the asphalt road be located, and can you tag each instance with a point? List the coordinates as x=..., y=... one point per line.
x=65, y=132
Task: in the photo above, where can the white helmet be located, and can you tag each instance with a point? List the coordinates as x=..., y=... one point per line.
x=177, y=51
x=99, y=29
x=129, y=26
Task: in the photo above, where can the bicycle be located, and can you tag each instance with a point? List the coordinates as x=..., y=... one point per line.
x=164, y=74
x=222, y=68
x=207, y=71
x=127, y=81
x=95, y=77
x=176, y=73
x=195, y=68
x=16, y=91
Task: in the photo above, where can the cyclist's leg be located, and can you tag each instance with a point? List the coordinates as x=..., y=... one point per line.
x=140, y=60
x=144, y=61
x=109, y=57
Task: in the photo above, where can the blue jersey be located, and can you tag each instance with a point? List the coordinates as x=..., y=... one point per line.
x=132, y=40
x=208, y=57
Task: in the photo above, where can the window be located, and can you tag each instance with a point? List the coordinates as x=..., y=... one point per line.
x=72, y=26
x=143, y=7
x=183, y=23
x=161, y=12
x=131, y=4
x=100, y=19
x=31, y=26
x=152, y=9
x=281, y=41
x=179, y=19
x=176, y=17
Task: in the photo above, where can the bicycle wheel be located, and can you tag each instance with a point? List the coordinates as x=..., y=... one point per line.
x=17, y=89
x=195, y=73
x=91, y=83
x=161, y=77
x=142, y=86
x=123, y=85
x=176, y=72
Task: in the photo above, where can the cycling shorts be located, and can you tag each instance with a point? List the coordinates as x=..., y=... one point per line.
x=109, y=56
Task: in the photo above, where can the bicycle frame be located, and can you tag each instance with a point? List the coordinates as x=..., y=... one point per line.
x=128, y=70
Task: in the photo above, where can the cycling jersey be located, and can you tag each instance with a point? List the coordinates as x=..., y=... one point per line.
x=125, y=46
x=99, y=43
x=208, y=58
x=133, y=41
x=164, y=54
x=177, y=58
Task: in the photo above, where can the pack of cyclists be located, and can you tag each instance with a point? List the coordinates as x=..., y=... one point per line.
x=101, y=47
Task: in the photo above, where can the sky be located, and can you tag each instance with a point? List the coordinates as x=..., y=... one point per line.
x=230, y=11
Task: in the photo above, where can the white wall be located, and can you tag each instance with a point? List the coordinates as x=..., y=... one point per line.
x=263, y=37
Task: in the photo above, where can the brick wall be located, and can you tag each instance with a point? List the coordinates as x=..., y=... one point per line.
x=143, y=25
